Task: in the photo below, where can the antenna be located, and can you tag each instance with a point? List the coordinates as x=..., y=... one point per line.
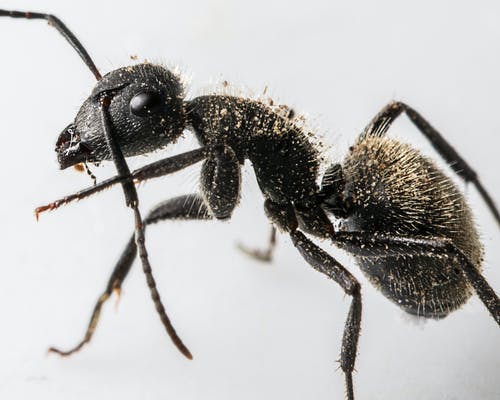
x=63, y=30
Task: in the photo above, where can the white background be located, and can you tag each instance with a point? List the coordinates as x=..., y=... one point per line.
x=256, y=331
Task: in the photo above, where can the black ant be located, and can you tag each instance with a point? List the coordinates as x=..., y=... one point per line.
x=407, y=225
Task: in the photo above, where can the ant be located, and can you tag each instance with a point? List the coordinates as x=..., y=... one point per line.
x=404, y=221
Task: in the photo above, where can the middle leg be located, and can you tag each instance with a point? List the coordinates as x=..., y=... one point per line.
x=188, y=207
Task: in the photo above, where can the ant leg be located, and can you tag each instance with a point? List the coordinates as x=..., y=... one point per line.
x=283, y=215
x=159, y=168
x=383, y=120
x=223, y=198
x=372, y=246
x=326, y=264
x=264, y=255
x=220, y=182
x=188, y=207
x=115, y=281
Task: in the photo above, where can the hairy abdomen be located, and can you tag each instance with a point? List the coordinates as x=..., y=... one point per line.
x=396, y=190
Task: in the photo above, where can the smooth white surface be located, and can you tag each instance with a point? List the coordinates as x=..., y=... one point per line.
x=256, y=331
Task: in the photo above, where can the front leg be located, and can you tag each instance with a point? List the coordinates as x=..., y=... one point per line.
x=220, y=182
x=188, y=207
x=156, y=169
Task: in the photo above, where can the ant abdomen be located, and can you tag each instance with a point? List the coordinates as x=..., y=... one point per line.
x=393, y=189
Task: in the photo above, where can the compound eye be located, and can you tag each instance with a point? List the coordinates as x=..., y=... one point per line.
x=144, y=104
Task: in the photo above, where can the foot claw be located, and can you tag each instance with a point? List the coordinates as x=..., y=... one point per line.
x=62, y=353
x=260, y=255
x=118, y=292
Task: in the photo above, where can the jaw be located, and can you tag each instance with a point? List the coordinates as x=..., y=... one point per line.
x=70, y=149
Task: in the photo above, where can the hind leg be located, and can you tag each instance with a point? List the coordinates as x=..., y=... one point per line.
x=365, y=244
x=382, y=122
x=285, y=217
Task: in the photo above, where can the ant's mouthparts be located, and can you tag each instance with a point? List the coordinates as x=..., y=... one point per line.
x=70, y=149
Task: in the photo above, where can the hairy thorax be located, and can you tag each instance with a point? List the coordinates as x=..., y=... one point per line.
x=284, y=159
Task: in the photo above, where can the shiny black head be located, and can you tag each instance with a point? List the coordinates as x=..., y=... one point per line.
x=147, y=113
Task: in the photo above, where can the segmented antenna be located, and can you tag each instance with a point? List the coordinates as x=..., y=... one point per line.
x=62, y=29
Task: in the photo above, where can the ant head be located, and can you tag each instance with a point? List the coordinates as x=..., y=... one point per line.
x=146, y=112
